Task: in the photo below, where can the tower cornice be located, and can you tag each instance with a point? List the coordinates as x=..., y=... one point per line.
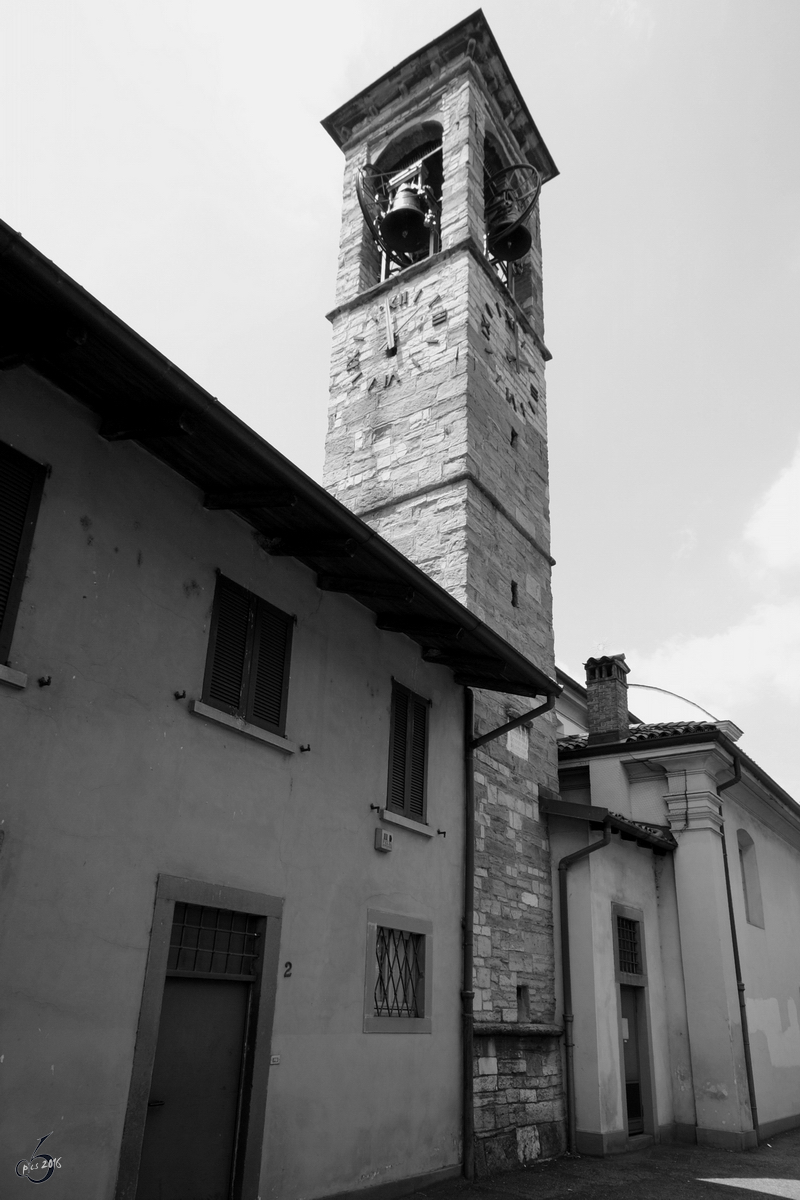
x=471, y=38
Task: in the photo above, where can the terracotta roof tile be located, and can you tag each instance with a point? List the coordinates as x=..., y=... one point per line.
x=645, y=732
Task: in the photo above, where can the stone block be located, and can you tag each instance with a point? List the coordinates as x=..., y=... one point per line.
x=484, y=1119
x=499, y=1153
x=552, y=1138
x=528, y=1143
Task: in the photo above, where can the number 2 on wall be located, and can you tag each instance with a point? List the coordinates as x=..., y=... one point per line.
x=287, y=970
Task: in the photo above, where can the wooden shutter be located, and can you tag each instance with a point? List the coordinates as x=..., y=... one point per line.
x=397, y=749
x=228, y=647
x=247, y=669
x=21, y=483
x=417, y=758
x=269, y=674
x=408, y=753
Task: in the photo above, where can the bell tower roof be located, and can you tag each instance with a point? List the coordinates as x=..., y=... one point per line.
x=471, y=39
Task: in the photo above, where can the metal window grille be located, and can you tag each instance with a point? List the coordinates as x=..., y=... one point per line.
x=212, y=941
x=630, y=960
x=400, y=983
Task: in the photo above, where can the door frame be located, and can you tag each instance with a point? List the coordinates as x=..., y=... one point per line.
x=643, y=1032
x=171, y=889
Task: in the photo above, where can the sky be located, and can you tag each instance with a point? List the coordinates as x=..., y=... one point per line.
x=169, y=156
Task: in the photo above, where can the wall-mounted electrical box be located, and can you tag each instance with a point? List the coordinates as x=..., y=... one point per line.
x=383, y=840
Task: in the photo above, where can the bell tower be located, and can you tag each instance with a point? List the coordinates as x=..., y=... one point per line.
x=437, y=437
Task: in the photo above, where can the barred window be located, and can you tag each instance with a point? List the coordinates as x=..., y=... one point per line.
x=408, y=754
x=213, y=941
x=399, y=987
x=630, y=959
x=398, y=993
x=247, y=669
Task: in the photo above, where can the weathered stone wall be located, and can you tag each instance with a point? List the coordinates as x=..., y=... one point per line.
x=442, y=448
x=519, y=1108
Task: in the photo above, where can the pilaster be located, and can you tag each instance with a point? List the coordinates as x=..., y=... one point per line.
x=712, y=1009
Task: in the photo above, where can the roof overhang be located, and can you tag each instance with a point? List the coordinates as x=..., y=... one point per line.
x=649, y=837
x=63, y=333
x=649, y=748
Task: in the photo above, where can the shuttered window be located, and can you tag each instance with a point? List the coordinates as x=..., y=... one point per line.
x=408, y=754
x=21, y=483
x=247, y=671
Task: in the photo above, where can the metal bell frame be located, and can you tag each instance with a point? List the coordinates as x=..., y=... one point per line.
x=505, y=200
x=379, y=196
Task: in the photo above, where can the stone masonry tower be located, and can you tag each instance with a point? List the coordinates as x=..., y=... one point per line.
x=437, y=438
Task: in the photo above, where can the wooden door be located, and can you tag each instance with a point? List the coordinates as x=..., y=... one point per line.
x=192, y=1115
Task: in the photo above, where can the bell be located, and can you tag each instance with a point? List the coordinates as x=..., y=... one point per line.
x=503, y=241
x=403, y=228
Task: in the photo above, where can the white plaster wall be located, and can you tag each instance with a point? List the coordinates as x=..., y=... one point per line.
x=770, y=959
x=679, y=1060
x=623, y=874
x=108, y=780
x=610, y=785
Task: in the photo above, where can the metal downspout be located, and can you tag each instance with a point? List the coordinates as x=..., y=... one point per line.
x=748, y=1060
x=471, y=744
x=467, y=994
x=566, y=972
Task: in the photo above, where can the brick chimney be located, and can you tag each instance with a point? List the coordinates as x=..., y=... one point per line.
x=607, y=699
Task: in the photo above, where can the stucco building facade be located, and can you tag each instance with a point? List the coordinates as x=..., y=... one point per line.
x=679, y=864
x=233, y=792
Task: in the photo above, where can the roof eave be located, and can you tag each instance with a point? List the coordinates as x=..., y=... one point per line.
x=72, y=307
x=638, y=746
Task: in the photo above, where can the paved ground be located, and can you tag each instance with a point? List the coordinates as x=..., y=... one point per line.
x=658, y=1173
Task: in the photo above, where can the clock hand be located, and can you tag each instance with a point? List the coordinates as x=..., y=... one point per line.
x=391, y=341
x=403, y=324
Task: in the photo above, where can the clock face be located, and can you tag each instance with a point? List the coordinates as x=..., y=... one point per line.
x=398, y=337
x=507, y=351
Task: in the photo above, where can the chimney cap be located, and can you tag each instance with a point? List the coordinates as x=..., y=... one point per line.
x=607, y=666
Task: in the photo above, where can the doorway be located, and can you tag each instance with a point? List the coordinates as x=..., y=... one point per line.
x=196, y=1108
x=190, y=1130
x=189, y=1146
x=631, y=1056
x=638, y=1115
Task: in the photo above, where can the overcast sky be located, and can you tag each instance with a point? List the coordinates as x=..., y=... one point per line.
x=168, y=155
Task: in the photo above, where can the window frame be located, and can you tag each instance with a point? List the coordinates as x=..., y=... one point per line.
x=629, y=978
x=751, y=879
x=413, y=698
x=38, y=473
x=378, y=919
x=257, y=608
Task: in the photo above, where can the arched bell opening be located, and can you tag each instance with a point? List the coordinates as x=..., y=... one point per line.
x=510, y=193
x=401, y=200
